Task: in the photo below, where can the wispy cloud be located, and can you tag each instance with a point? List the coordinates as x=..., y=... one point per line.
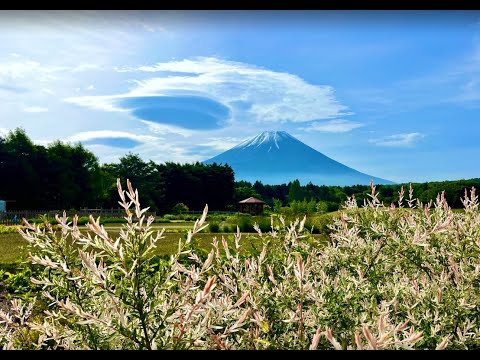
x=35, y=109
x=250, y=92
x=12, y=88
x=200, y=65
x=158, y=151
x=333, y=126
x=400, y=140
x=223, y=143
x=47, y=91
x=22, y=68
x=101, y=134
x=85, y=67
x=164, y=129
x=105, y=103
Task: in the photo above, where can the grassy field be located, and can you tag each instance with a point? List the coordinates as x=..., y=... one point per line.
x=12, y=246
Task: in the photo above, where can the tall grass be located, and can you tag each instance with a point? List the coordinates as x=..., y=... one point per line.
x=403, y=276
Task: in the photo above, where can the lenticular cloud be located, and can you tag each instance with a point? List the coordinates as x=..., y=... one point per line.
x=249, y=92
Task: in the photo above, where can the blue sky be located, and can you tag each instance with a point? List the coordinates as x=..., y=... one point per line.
x=395, y=94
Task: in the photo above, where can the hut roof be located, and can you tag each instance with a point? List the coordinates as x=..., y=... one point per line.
x=251, y=200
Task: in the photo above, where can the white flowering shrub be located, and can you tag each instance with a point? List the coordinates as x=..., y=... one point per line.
x=390, y=277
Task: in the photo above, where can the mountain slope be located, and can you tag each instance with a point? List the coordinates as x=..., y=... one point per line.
x=276, y=157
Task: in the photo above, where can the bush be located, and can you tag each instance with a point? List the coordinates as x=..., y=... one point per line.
x=17, y=283
x=227, y=228
x=11, y=229
x=245, y=224
x=180, y=208
x=83, y=220
x=243, y=221
x=267, y=209
x=8, y=229
x=402, y=277
x=264, y=224
x=162, y=220
x=217, y=217
x=214, y=227
x=321, y=224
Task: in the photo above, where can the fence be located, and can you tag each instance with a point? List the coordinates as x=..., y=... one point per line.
x=13, y=217
x=213, y=212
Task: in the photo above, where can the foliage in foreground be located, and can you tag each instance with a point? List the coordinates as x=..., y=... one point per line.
x=8, y=229
x=389, y=278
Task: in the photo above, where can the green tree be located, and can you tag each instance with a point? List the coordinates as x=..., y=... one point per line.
x=311, y=206
x=277, y=205
x=245, y=192
x=144, y=174
x=74, y=176
x=180, y=208
x=19, y=179
x=61, y=176
x=322, y=207
x=295, y=191
x=196, y=185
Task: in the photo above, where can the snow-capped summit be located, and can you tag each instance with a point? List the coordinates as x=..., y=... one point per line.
x=270, y=138
x=276, y=157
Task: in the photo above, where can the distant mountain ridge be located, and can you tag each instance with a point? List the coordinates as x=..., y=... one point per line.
x=276, y=157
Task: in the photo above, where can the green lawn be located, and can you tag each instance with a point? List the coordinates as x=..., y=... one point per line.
x=12, y=246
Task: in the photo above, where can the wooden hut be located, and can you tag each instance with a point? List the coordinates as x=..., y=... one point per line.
x=252, y=206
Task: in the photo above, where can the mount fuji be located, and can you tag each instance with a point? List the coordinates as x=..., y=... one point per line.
x=276, y=157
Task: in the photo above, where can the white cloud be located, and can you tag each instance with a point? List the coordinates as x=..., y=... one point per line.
x=167, y=129
x=48, y=91
x=250, y=92
x=162, y=151
x=18, y=69
x=42, y=142
x=90, y=87
x=400, y=140
x=35, y=109
x=333, y=126
x=224, y=143
x=89, y=135
x=3, y=131
x=104, y=103
x=27, y=69
x=151, y=28
x=85, y=67
x=158, y=151
x=200, y=65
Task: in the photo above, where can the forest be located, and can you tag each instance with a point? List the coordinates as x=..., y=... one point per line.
x=69, y=176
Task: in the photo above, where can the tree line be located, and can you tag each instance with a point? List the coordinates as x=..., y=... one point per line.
x=330, y=198
x=68, y=176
